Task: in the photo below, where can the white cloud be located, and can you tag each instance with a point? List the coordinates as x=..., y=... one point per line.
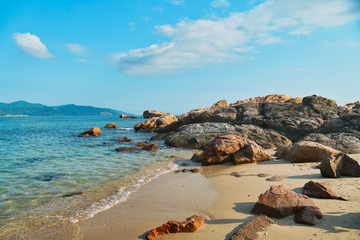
x=194, y=44
x=220, y=4
x=76, y=48
x=159, y=9
x=355, y=44
x=31, y=44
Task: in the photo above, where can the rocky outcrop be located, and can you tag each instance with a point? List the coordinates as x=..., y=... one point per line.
x=198, y=135
x=190, y=225
x=281, y=202
x=353, y=105
x=252, y=228
x=344, y=142
x=309, y=152
x=232, y=148
x=273, y=98
x=154, y=113
x=111, y=125
x=126, y=116
x=220, y=104
x=320, y=190
x=155, y=123
x=91, y=132
x=340, y=164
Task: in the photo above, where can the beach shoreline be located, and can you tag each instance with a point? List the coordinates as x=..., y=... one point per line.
x=226, y=201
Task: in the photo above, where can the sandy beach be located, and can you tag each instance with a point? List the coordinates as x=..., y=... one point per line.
x=226, y=201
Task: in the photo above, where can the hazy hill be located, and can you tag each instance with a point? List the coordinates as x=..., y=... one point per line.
x=36, y=109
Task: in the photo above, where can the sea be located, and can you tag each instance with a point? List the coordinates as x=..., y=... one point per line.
x=50, y=177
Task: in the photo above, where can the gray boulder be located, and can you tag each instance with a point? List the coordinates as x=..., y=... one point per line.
x=200, y=134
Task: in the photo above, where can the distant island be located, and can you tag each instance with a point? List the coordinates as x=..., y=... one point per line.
x=23, y=108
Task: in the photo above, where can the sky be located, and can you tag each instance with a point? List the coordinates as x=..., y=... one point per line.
x=177, y=55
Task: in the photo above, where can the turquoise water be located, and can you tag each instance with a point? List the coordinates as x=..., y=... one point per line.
x=42, y=159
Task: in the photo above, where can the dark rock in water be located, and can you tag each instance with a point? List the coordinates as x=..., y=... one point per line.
x=200, y=134
x=124, y=139
x=111, y=125
x=121, y=149
x=140, y=144
x=340, y=164
x=233, y=148
x=72, y=194
x=196, y=157
x=150, y=147
x=280, y=202
x=251, y=230
x=190, y=225
x=320, y=190
x=91, y=132
x=47, y=177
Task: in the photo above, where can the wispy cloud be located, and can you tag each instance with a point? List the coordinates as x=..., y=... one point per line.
x=132, y=26
x=30, y=44
x=76, y=48
x=176, y=2
x=220, y=4
x=194, y=44
x=355, y=44
x=83, y=61
x=158, y=9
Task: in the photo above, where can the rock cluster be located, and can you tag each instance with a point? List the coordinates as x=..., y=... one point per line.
x=281, y=202
x=190, y=225
x=232, y=148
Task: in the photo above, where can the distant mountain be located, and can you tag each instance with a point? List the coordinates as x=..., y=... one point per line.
x=36, y=109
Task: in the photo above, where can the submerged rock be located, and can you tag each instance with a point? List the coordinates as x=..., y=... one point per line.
x=72, y=194
x=281, y=202
x=233, y=148
x=190, y=225
x=121, y=149
x=91, y=132
x=47, y=177
x=150, y=147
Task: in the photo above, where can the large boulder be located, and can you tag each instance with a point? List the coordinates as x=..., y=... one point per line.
x=95, y=131
x=154, y=123
x=233, y=148
x=320, y=190
x=305, y=151
x=200, y=134
x=154, y=113
x=340, y=164
x=190, y=225
x=281, y=202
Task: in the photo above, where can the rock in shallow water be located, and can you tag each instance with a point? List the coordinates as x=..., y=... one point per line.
x=91, y=132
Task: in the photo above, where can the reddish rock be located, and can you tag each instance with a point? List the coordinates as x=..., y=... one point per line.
x=126, y=116
x=140, y=144
x=150, y=147
x=320, y=190
x=282, y=151
x=305, y=151
x=146, y=142
x=233, y=148
x=252, y=228
x=280, y=202
x=121, y=149
x=155, y=123
x=219, y=104
x=111, y=125
x=340, y=164
x=91, y=132
x=190, y=225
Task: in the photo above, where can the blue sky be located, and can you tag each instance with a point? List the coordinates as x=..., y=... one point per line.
x=177, y=55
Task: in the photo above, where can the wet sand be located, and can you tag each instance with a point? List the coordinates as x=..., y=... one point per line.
x=226, y=201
